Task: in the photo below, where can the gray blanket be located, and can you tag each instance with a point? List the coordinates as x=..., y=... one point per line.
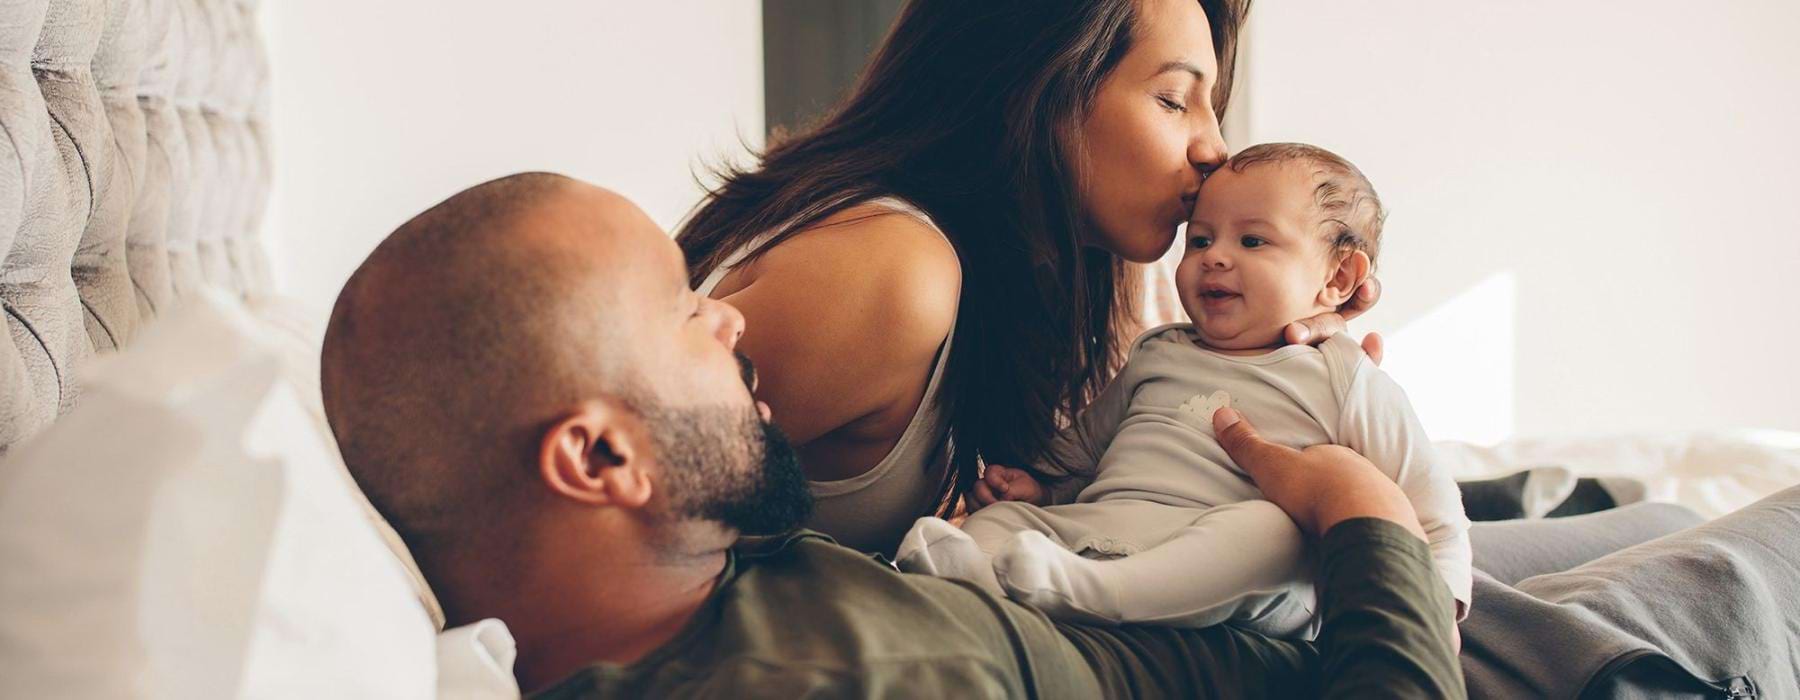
x=1710, y=611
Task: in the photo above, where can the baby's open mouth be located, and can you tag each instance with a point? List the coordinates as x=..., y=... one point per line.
x=1217, y=297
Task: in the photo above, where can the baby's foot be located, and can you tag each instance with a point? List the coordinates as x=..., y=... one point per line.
x=934, y=546
x=1043, y=574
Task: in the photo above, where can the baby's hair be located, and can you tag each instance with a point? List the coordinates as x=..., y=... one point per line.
x=1352, y=211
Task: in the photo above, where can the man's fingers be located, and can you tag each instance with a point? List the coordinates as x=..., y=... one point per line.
x=1313, y=330
x=1252, y=453
x=1363, y=300
x=1371, y=346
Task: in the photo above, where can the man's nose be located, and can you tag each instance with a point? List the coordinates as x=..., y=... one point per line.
x=730, y=322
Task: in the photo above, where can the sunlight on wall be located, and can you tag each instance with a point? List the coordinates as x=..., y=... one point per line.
x=1456, y=363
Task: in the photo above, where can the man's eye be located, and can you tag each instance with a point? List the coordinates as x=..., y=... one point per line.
x=1253, y=242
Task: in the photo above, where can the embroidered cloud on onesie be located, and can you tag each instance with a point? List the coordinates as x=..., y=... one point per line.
x=1200, y=409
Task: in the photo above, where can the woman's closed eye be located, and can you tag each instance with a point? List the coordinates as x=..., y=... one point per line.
x=1171, y=104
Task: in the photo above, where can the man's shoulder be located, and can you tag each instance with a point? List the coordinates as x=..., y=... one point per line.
x=808, y=615
x=806, y=563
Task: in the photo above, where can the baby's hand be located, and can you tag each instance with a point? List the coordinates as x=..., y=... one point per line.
x=1004, y=484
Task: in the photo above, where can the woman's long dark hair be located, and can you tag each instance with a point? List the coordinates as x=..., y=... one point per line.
x=970, y=109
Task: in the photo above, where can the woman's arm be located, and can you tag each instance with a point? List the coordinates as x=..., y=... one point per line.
x=844, y=322
x=1074, y=455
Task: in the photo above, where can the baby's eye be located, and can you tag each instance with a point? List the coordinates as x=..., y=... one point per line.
x=1198, y=242
x=1253, y=242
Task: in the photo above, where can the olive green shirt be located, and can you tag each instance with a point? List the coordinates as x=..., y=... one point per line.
x=800, y=616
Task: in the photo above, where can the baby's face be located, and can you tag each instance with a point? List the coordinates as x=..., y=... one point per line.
x=1256, y=259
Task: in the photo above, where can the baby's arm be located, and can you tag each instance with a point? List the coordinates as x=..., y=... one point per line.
x=1378, y=422
x=1075, y=451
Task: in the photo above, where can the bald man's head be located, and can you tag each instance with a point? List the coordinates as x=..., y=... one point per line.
x=472, y=333
x=465, y=330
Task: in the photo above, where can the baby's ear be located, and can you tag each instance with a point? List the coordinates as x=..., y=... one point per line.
x=1350, y=271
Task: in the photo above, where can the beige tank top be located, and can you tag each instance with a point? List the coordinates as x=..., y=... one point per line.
x=871, y=511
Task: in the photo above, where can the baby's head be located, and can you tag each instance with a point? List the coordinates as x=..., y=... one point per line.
x=1282, y=232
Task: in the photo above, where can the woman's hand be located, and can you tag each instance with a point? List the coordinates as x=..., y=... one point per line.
x=1000, y=483
x=1316, y=329
x=1319, y=486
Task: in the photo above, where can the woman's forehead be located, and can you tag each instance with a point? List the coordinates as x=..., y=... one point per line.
x=1172, y=32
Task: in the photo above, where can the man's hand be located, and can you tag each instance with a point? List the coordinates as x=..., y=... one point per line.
x=1319, y=486
x=1000, y=483
x=1316, y=329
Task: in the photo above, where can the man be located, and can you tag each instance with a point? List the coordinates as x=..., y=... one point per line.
x=563, y=434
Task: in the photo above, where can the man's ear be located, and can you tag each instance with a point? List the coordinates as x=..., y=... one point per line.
x=596, y=457
x=1342, y=281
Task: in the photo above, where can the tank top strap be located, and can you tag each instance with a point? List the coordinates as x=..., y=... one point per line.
x=870, y=511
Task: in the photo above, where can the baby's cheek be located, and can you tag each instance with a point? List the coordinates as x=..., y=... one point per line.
x=1187, y=274
x=1298, y=298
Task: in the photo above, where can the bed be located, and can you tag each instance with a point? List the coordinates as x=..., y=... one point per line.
x=135, y=171
x=174, y=521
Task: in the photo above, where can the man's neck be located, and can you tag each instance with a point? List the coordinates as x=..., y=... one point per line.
x=607, y=606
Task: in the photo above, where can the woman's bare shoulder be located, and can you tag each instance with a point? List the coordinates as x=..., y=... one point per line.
x=844, y=320
x=890, y=264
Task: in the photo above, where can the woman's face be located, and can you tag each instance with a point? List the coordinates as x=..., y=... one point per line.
x=1151, y=134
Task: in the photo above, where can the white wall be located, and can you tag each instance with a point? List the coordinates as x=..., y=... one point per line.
x=382, y=109
x=1596, y=205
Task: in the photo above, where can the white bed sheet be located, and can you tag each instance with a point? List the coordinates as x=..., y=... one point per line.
x=1711, y=472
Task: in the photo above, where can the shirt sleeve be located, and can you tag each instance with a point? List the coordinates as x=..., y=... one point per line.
x=1378, y=422
x=1075, y=452
x=1384, y=633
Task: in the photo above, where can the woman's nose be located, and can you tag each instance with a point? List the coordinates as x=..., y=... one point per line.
x=1207, y=151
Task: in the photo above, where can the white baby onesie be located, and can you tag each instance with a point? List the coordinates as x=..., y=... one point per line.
x=1170, y=530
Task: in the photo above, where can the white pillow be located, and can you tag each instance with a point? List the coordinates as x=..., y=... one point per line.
x=475, y=662
x=297, y=333
x=183, y=533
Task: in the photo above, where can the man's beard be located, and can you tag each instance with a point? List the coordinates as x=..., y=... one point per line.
x=729, y=466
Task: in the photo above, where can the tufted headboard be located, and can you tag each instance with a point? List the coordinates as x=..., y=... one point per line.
x=135, y=168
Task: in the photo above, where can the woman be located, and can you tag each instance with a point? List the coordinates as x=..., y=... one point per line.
x=938, y=273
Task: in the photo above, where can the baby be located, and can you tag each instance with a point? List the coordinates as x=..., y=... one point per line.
x=1170, y=531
